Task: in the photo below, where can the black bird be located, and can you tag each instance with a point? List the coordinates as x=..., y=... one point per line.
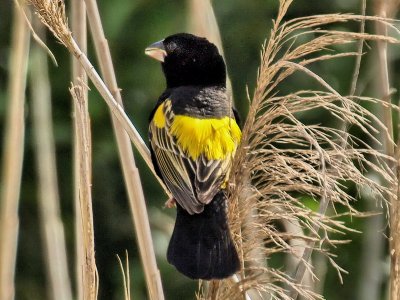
x=193, y=136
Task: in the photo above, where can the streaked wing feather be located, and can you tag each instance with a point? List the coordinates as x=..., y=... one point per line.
x=193, y=183
x=209, y=176
x=173, y=170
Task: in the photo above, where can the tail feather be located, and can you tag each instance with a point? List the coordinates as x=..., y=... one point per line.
x=201, y=246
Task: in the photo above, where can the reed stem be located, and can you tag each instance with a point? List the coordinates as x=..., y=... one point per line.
x=13, y=155
x=55, y=254
x=78, y=24
x=83, y=141
x=131, y=174
x=381, y=7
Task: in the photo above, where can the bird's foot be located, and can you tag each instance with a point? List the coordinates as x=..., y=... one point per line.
x=170, y=203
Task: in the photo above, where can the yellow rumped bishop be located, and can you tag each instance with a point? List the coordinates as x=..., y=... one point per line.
x=194, y=134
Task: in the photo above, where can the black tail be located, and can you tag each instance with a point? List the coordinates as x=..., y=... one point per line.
x=201, y=246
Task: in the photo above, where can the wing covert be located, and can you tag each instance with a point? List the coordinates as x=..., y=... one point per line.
x=193, y=181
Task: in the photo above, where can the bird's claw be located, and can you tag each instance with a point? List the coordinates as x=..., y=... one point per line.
x=170, y=203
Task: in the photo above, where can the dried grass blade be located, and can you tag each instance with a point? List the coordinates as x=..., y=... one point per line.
x=55, y=254
x=53, y=16
x=132, y=179
x=381, y=9
x=78, y=23
x=83, y=136
x=13, y=154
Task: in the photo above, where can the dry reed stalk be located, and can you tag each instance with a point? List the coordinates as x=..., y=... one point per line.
x=382, y=9
x=52, y=14
x=89, y=271
x=87, y=281
x=78, y=24
x=381, y=29
x=321, y=267
x=299, y=246
x=202, y=22
x=393, y=7
x=49, y=203
x=131, y=174
x=13, y=154
x=360, y=46
x=284, y=158
x=370, y=281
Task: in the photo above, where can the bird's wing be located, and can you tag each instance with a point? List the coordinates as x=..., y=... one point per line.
x=193, y=181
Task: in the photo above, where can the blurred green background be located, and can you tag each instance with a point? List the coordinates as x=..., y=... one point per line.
x=130, y=26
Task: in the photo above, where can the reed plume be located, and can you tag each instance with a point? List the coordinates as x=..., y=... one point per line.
x=282, y=160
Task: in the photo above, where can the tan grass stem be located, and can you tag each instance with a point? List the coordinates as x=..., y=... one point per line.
x=202, y=21
x=13, y=151
x=118, y=111
x=131, y=174
x=78, y=24
x=115, y=108
x=360, y=46
x=55, y=254
x=381, y=9
x=86, y=264
x=54, y=18
x=83, y=140
x=383, y=73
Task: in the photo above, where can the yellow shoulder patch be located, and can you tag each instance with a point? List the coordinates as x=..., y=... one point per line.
x=216, y=138
x=159, y=117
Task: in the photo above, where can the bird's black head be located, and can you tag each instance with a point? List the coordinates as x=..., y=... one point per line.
x=189, y=60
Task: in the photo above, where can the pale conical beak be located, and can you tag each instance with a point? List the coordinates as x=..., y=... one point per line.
x=156, y=51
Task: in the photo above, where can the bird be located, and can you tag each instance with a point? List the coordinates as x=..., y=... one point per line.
x=194, y=133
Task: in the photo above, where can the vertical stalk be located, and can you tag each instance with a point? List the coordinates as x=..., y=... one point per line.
x=131, y=174
x=13, y=155
x=79, y=31
x=49, y=207
x=83, y=141
x=383, y=73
